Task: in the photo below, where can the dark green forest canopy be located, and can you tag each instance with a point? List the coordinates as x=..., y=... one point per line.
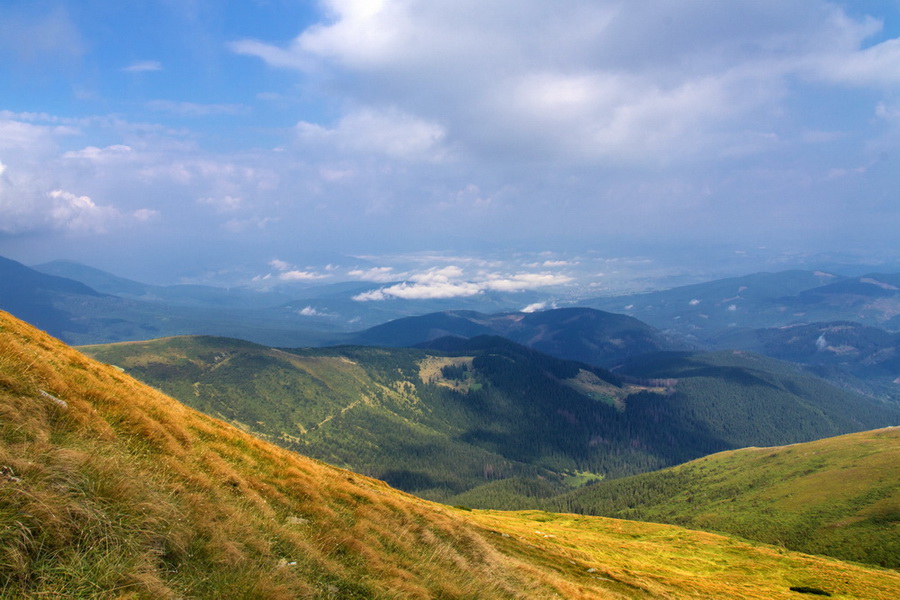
x=490, y=409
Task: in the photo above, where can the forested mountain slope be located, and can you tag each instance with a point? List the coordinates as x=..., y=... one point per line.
x=437, y=423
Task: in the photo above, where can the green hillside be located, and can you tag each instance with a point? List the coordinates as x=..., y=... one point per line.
x=110, y=490
x=839, y=496
x=440, y=423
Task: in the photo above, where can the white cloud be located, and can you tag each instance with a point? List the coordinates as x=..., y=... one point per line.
x=79, y=213
x=309, y=311
x=438, y=275
x=597, y=80
x=279, y=264
x=452, y=282
x=111, y=154
x=591, y=81
x=192, y=109
x=558, y=263
x=390, y=132
x=143, y=66
x=376, y=274
x=422, y=291
x=298, y=275
x=524, y=281
x=535, y=307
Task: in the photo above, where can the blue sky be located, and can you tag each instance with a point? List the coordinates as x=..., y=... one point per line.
x=504, y=141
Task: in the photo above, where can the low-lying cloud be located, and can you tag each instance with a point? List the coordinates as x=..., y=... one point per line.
x=452, y=282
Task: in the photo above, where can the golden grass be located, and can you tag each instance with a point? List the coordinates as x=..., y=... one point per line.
x=125, y=493
x=672, y=562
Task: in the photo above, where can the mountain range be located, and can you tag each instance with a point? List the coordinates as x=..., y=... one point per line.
x=438, y=422
x=706, y=311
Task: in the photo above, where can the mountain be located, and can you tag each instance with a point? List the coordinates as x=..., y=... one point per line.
x=440, y=422
x=581, y=334
x=709, y=310
x=838, y=496
x=872, y=299
x=110, y=489
x=202, y=296
x=40, y=298
x=79, y=314
x=706, y=310
x=849, y=354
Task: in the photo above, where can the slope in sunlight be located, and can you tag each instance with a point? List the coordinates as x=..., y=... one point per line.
x=838, y=496
x=108, y=489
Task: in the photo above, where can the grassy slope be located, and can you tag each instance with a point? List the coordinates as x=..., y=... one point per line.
x=108, y=489
x=839, y=496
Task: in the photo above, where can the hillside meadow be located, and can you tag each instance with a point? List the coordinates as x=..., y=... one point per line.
x=109, y=489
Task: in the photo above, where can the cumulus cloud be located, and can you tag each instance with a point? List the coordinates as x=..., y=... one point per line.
x=452, y=282
x=310, y=311
x=524, y=281
x=535, y=307
x=596, y=80
x=298, y=275
x=390, y=132
x=422, y=291
x=27, y=211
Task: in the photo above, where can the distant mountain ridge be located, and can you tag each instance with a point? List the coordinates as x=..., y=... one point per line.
x=40, y=298
x=581, y=334
x=175, y=295
x=706, y=311
x=79, y=314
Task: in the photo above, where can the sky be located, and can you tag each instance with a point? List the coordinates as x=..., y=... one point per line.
x=446, y=144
